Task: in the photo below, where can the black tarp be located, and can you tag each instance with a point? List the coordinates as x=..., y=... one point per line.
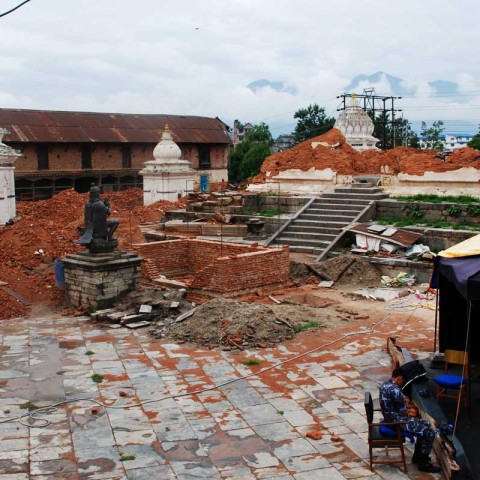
x=458, y=281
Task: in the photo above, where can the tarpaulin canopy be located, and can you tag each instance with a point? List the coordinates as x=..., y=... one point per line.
x=457, y=276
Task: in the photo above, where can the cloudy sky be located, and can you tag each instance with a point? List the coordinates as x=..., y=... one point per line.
x=196, y=57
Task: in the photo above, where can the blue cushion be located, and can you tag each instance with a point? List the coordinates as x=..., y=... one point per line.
x=449, y=381
x=391, y=432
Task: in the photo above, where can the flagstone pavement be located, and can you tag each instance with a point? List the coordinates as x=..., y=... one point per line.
x=193, y=413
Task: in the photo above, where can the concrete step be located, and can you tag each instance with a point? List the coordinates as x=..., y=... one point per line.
x=326, y=237
x=292, y=241
x=333, y=225
x=356, y=196
x=342, y=199
x=306, y=249
x=330, y=217
x=326, y=206
x=358, y=189
x=294, y=228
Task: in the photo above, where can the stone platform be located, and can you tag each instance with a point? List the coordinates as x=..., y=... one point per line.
x=99, y=279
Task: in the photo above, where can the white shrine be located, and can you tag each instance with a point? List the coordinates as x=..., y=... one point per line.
x=8, y=156
x=357, y=127
x=167, y=177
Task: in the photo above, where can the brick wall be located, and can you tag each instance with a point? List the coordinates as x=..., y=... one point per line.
x=163, y=258
x=221, y=268
x=68, y=157
x=245, y=271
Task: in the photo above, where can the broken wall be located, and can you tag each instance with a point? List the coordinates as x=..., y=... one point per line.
x=215, y=266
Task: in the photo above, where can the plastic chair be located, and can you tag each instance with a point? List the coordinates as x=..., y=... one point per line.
x=376, y=439
x=451, y=382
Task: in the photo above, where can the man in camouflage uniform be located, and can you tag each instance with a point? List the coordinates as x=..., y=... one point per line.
x=394, y=409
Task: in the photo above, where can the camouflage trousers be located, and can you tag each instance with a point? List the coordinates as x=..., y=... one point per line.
x=423, y=432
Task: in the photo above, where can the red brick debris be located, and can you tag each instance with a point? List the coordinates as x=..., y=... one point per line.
x=46, y=230
x=345, y=160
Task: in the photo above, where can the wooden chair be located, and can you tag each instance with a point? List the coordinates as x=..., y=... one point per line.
x=454, y=383
x=378, y=440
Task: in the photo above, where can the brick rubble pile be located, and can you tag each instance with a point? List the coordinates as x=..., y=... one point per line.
x=343, y=159
x=46, y=230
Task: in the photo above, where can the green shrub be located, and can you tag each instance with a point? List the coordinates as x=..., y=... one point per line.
x=473, y=210
x=454, y=210
x=414, y=211
x=97, y=378
x=251, y=361
x=431, y=198
x=305, y=326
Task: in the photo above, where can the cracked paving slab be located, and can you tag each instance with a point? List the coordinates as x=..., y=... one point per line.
x=253, y=428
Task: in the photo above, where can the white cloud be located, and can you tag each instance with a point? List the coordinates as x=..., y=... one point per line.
x=190, y=57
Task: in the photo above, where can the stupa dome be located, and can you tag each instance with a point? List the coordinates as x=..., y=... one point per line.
x=166, y=150
x=356, y=126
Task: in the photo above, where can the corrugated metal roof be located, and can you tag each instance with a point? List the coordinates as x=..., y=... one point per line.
x=79, y=127
x=401, y=237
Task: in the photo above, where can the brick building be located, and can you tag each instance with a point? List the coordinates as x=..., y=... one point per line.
x=72, y=149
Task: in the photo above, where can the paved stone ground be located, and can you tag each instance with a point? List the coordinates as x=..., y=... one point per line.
x=253, y=428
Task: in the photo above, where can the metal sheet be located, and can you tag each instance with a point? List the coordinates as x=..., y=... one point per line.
x=80, y=127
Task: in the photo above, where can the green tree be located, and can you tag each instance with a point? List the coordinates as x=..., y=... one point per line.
x=312, y=121
x=431, y=135
x=404, y=135
x=400, y=134
x=247, y=157
x=475, y=142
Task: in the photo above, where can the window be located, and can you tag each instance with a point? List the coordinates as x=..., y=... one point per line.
x=126, y=156
x=204, y=156
x=42, y=157
x=86, y=157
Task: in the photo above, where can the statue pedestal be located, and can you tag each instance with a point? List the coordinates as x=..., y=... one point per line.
x=98, y=279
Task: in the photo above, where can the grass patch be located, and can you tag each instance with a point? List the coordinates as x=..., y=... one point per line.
x=126, y=458
x=97, y=378
x=270, y=213
x=305, y=326
x=431, y=198
x=264, y=213
x=89, y=352
x=251, y=361
x=28, y=406
x=406, y=222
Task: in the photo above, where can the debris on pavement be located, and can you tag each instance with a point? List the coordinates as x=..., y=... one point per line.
x=230, y=324
x=402, y=279
x=349, y=270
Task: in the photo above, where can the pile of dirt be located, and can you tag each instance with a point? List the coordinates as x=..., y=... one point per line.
x=232, y=324
x=333, y=152
x=348, y=270
x=46, y=230
x=299, y=272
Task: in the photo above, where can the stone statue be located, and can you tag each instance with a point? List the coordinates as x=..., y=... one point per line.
x=97, y=235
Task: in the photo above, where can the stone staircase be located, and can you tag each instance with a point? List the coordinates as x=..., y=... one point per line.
x=321, y=223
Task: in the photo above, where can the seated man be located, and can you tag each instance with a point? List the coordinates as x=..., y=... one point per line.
x=95, y=215
x=394, y=409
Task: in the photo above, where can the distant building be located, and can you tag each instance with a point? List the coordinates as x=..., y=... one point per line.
x=240, y=130
x=283, y=142
x=63, y=150
x=451, y=141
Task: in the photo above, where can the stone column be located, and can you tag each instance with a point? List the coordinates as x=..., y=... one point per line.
x=8, y=156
